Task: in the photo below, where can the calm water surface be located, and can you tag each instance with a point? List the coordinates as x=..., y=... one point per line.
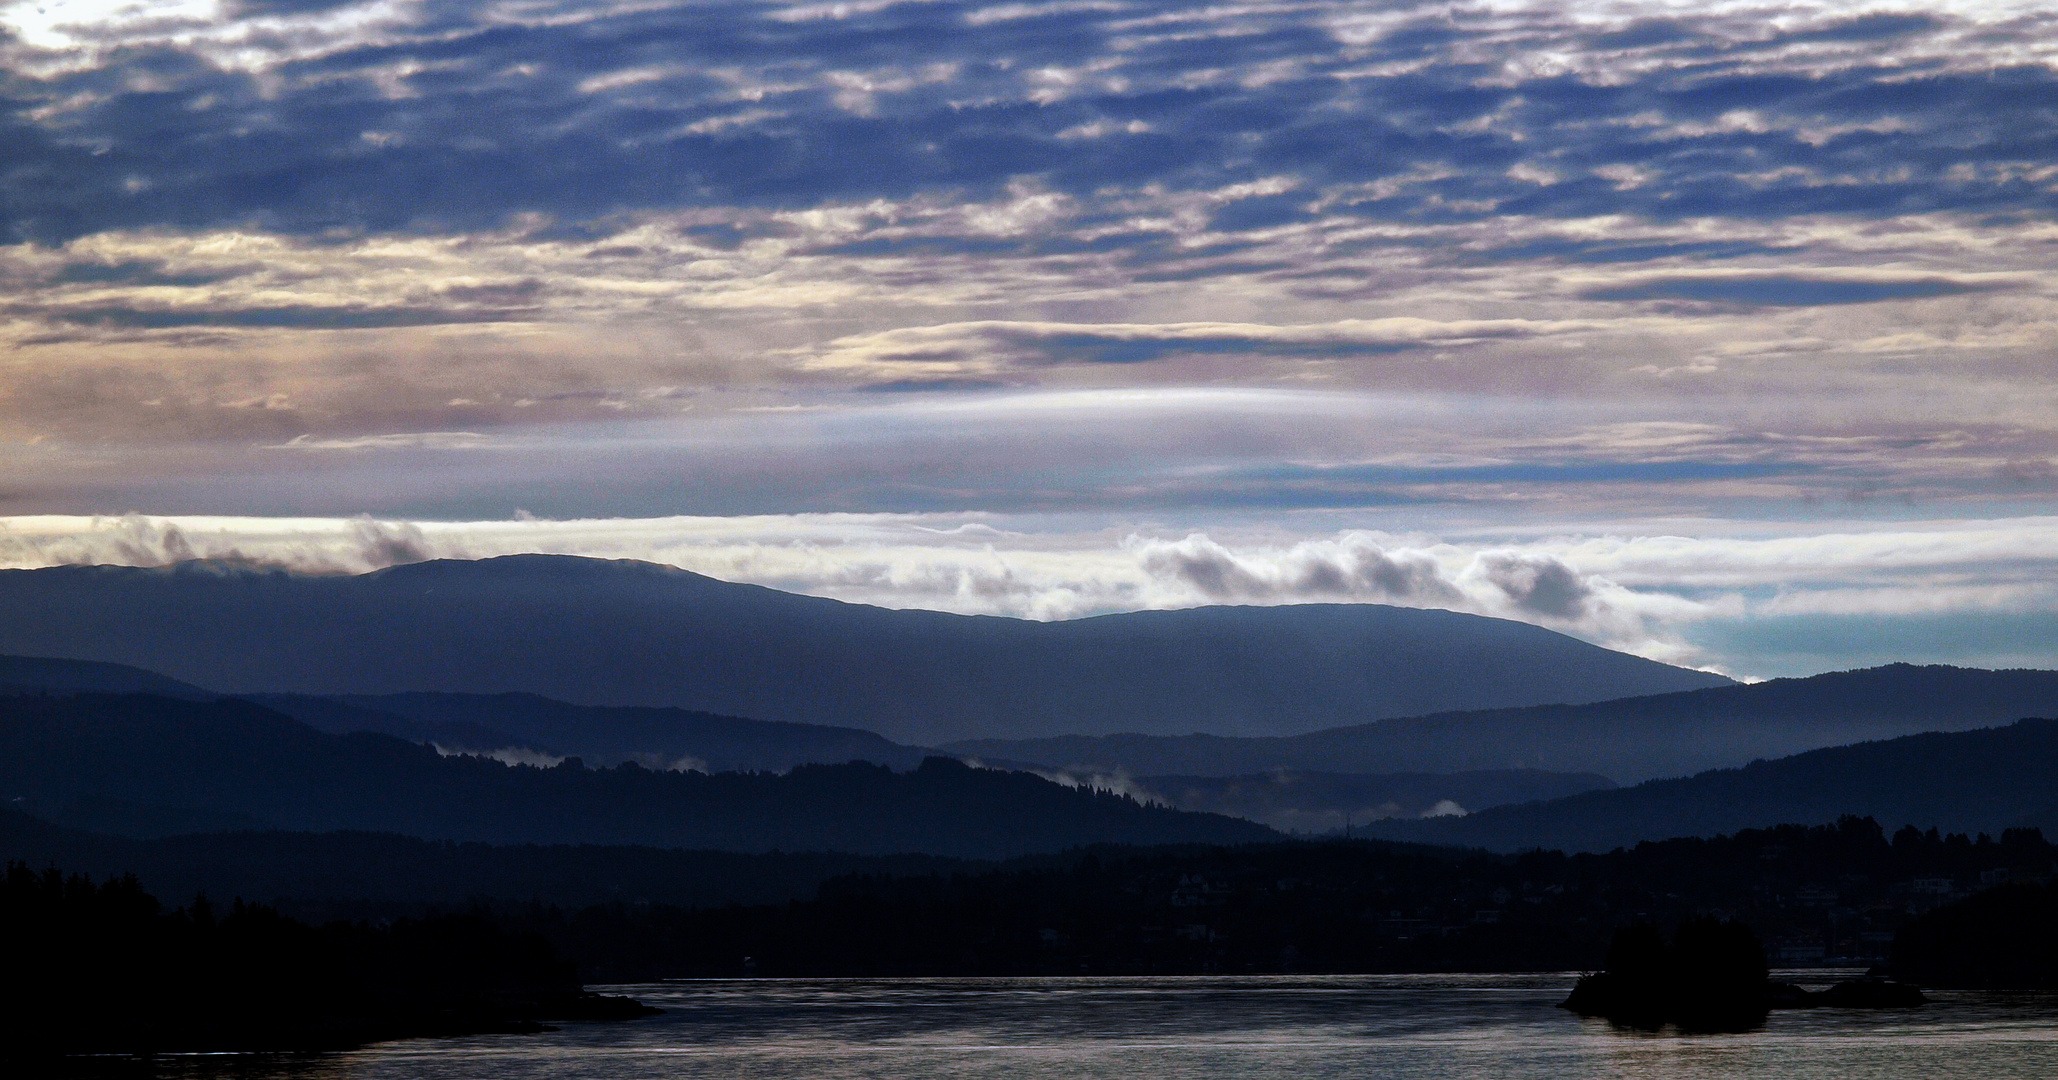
x=1187, y=1029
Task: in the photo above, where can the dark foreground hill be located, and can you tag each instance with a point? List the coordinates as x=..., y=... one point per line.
x=2001, y=939
x=131, y=763
x=625, y=633
x=101, y=968
x=1627, y=740
x=319, y=876
x=1969, y=781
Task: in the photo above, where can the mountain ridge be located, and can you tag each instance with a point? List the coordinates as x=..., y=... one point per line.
x=1627, y=739
x=599, y=632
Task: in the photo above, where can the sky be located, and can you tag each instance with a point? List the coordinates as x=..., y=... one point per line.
x=1722, y=333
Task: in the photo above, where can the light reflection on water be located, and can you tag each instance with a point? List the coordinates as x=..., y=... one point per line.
x=1399, y=1027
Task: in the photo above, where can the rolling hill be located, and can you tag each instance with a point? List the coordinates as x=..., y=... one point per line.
x=596, y=632
x=1627, y=740
x=599, y=735
x=1968, y=781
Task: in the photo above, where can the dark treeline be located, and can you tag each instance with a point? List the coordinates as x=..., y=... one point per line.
x=101, y=967
x=354, y=874
x=127, y=763
x=2005, y=938
x=1812, y=893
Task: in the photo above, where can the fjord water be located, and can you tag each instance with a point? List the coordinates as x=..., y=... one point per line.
x=1398, y=1027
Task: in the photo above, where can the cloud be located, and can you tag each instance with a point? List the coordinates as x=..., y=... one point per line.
x=957, y=350
x=301, y=317
x=1541, y=585
x=311, y=118
x=1354, y=568
x=1785, y=290
x=416, y=440
x=561, y=212
x=347, y=546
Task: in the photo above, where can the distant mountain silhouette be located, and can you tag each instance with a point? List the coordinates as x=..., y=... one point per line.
x=1629, y=740
x=1299, y=801
x=625, y=633
x=1967, y=781
x=660, y=738
x=40, y=674
x=236, y=761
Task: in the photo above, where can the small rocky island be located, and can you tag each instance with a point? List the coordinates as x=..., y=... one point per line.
x=101, y=968
x=1711, y=977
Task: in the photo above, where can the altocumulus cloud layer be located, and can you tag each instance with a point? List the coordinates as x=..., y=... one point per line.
x=1721, y=331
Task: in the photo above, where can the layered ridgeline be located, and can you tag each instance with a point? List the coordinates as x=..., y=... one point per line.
x=525, y=728
x=1989, y=780
x=139, y=764
x=538, y=730
x=625, y=633
x=1627, y=740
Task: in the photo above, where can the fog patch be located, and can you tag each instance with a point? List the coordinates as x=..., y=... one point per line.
x=1088, y=778
x=506, y=755
x=683, y=763
x=1445, y=808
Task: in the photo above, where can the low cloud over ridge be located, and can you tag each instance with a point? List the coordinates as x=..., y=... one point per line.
x=1680, y=598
